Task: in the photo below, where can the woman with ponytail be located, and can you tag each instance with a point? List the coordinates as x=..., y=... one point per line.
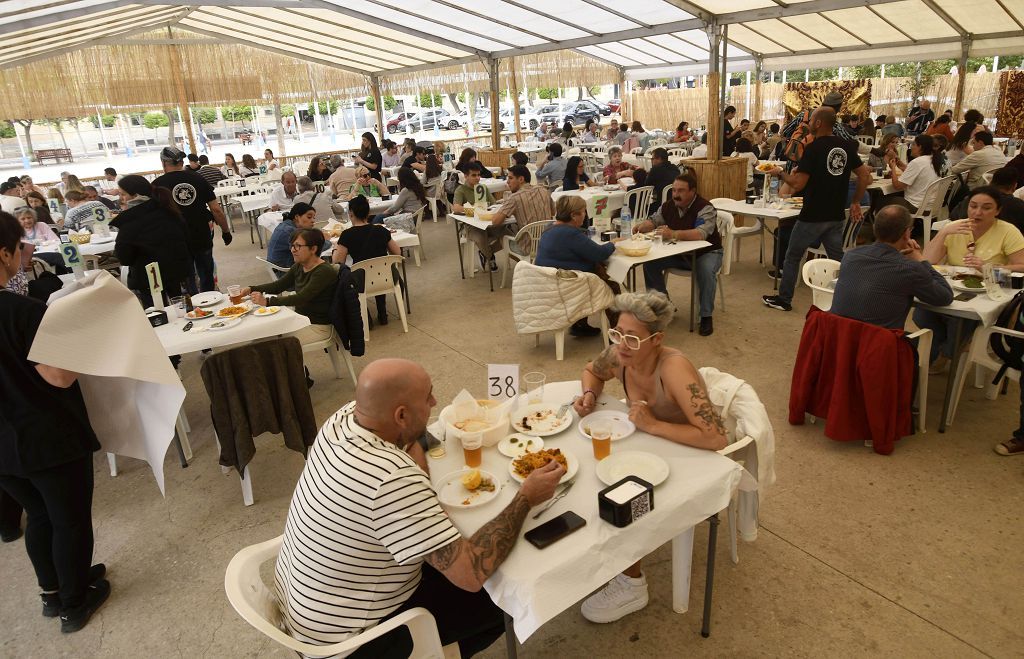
x=913, y=179
x=151, y=229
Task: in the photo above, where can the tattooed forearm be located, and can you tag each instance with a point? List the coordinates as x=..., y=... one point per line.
x=704, y=410
x=604, y=366
x=445, y=557
x=493, y=542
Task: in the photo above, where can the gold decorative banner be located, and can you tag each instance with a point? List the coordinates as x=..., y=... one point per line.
x=1010, y=110
x=805, y=95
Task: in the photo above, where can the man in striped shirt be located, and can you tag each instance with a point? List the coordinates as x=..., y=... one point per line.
x=366, y=537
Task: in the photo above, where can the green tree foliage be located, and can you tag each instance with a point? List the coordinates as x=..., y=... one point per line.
x=204, y=115
x=428, y=100
x=244, y=112
x=154, y=120
x=389, y=103
x=547, y=93
x=327, y=107
x=108, y=121
x=6, y=130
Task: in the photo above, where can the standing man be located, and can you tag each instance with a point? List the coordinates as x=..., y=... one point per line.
x=688, y=216
x=920, y=117
x=823, y=175
x=199, y=207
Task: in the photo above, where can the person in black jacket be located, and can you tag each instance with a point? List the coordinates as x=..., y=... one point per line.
x=151, y=229
x=46, y=447
x=662, y=174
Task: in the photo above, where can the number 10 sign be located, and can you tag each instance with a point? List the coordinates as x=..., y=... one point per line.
x=502, y=381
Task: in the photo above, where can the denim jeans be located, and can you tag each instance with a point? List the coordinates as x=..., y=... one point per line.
x=808, y=234
x=708, y=265
x=203, y=267
x=943, y=329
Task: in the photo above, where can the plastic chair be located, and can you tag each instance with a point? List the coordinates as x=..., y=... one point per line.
x=731, y=238
x=818, y=274
x=434, y=193
x=642, y=203
x=724, y=222
x=866, y=139
x=257, y=605
x=985, y=366
x=931, y=205
x=666, y=192
x=850, y=231
x=534, y=230
x=272, y=269
x=417, y=249
x=380, y=281
x=332, y=346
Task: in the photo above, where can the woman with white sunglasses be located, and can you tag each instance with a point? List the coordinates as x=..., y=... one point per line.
x=666, y=396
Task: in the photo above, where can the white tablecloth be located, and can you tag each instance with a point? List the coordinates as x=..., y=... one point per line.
x=88, y=249
x=980, y=307
x=616, y=198
x=533, y=585
x=252, y=328
x=619, y=264
x=229, y=190
x=377, y=205
x=883, y=185
x=253, y=202
x=741, y=207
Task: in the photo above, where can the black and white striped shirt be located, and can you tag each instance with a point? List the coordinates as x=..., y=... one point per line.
x=361, y=520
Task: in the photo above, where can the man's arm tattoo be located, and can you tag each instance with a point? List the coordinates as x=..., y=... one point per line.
x=445, y=557
x=495, y=540
x=704, y=410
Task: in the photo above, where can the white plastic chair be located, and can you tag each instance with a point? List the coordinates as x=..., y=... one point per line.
x=417, y=249
x=931, y=205
x=851, y=230
x=643, y=196
x=332, y=346
x=818, y=274
x=534, y=230
x=434, y=193
x=272, y=269
x=257, y=605
x=724, y=222
x=866, y=139
x=380, y=281
x=666, y=192
x=731, y=240
x=985, y=366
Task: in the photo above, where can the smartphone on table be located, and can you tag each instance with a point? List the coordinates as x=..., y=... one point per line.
x=555, y=529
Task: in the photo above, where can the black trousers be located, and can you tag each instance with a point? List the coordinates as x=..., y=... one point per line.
x=10, y=513
x=472, y=619
x=58, y=534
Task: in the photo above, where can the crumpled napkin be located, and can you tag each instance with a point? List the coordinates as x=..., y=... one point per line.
x=465, y=407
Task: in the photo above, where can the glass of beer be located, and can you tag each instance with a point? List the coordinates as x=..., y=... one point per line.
x=472, y=448
x=601, y=438
x=235, y=294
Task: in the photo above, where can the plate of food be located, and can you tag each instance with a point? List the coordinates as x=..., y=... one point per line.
x=610, y=187
x=467, y=488
x=199, y=314
x=539, y=420
x=515, y=445
x=615, y=467
x=266, y=311
x=521, y=467
x=765, y=167
x=622, y=427
x=225, y=323
x=967, y=283
x=233, y=311
x=207, y=299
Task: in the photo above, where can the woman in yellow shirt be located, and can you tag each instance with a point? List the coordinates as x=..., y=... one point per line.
x=981, y=238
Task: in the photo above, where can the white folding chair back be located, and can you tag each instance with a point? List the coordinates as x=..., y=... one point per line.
x=731, y=235
x=272, y=269
x=866, y=139
x=332, y=346
x=666, y=192
x=223, y=183
x=534, y=230
x=985, y=366
x=300, y=167
x=934, y=198
x=258, y=606
x=643, y=197
x=380, y=281
x=818, y=274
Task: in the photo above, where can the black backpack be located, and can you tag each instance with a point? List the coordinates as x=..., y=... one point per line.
x=1009, y=349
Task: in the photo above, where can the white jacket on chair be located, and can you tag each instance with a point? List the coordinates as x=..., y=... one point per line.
x=745, y=415
x=549, y=299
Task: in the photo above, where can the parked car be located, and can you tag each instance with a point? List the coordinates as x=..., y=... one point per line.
x=463, y=117
x=615, y=104
x=601, y=107
x=395, y=119
x=527, y=120
x=576, y=112
x=425, y=120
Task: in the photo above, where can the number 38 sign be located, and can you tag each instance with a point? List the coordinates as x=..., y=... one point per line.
x=502, y=381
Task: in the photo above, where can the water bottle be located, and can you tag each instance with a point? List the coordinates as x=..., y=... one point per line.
x=774, y=189
x=626, y=222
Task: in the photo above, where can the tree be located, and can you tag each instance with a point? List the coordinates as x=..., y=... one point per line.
x=171, y=116
x=547, y=93
x=429, y=100
x=154, y=120
x=6, y=130
x=204, y=115
x=26, y=125
x=108, y=121
x=58, y=123
x=243, y=112
x=454, y=100
x=327, y=107
x=389, y=103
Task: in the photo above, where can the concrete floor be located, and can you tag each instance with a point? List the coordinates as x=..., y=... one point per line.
x=859, y=555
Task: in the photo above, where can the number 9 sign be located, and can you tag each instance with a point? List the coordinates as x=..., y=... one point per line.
x=72, y=257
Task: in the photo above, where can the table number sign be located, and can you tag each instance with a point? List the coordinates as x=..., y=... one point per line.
x=54, y=206
x=602, y=216
x=480, y=192
x=156, y=283
x=502, y=381
x=72, y=257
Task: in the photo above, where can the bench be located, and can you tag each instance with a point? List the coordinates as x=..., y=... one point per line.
x=57, y=155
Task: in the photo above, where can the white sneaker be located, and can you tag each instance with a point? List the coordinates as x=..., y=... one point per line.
x=620, y=597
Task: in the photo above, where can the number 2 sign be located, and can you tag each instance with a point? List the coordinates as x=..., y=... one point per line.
x=502, y=381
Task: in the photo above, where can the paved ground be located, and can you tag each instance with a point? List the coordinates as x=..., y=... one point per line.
x=909, y=555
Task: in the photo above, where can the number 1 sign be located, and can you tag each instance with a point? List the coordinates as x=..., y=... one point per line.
x=502, y=381
x=156, y=283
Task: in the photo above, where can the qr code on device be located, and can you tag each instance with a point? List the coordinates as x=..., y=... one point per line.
x=640, y=506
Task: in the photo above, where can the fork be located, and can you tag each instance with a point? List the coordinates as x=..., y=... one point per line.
x=561, y=494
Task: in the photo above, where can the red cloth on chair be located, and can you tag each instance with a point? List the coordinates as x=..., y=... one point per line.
x=859, y=377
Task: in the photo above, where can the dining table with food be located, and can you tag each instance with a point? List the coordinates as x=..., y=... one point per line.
x=480, y=451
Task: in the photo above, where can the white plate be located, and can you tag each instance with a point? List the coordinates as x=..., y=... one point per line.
x=102, y=240
x=959, y=286
x=570, y=460
x=948, y=270
x=512, y=449
x=207, y=299
x=541, y=428
x=647, y=466
x=224, y=324
x=188, y=317
x=622, y=427
x=266, y=311
x=451, y=492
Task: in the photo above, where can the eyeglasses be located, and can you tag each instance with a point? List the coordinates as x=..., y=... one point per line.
x=629, y=340
x=295, y=246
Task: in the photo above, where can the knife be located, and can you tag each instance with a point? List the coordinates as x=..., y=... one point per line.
x=554, y=499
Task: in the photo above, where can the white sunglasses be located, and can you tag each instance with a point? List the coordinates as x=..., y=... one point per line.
x=629, y=340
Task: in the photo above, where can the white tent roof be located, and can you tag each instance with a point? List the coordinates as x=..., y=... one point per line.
x=645, y=38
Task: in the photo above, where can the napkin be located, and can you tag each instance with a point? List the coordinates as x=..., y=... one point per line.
x=95, y=327
x=465, y=407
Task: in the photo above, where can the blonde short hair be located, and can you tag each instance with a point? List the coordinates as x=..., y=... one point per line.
x=567, y=205
x=653, y=309
x=361, y=171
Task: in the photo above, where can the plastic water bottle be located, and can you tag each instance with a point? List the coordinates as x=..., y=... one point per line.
x=626, y=222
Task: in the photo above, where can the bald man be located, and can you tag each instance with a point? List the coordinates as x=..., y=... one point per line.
x=366, y=537
x=823, y=178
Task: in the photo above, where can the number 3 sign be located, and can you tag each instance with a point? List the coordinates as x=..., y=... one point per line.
x=502, y=381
